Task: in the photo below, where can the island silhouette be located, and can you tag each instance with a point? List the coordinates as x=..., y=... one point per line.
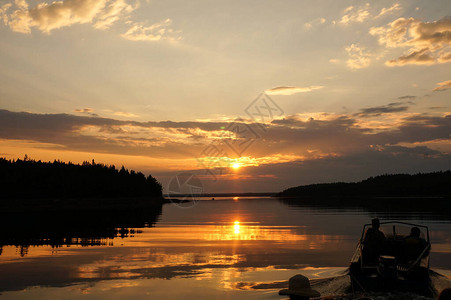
x=392, y=194
x=435, y=184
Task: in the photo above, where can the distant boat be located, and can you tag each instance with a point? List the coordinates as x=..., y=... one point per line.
x=212, y=198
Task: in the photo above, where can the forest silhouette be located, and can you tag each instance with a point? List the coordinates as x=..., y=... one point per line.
x=29, y=178
x=396, y=185
x=427, y=194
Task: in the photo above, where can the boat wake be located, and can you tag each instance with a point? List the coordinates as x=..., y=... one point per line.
x=340, y=288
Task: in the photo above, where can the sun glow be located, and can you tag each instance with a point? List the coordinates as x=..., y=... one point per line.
x=236, y=227
x=236, y=166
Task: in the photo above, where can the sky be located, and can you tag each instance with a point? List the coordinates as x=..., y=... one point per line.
x=249, y=96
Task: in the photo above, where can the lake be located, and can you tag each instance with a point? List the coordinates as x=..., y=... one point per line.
x=229, y=248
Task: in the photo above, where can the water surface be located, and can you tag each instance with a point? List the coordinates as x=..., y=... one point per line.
x=229, y=248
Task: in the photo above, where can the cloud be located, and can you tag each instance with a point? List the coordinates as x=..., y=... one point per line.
x=421, y=150
x=420, y=57
x=444, y=57
x=316, y=142
x=46, y=17
x=407, y=97
x=389, y=10
x=125, y=114
x=88, y=111
x=84, y=110
x=315, y=22
x=154, y=32
x=355, y=15
x=102, y=14
x=3, y=15
x=358, y=57
x=105, y=135
x=442, y=86
x=290, y=90
x=384, y=109
x=428, y=42
x=112, y=13
x=327, y=132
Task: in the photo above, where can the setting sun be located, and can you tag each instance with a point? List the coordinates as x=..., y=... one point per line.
x=236, y=166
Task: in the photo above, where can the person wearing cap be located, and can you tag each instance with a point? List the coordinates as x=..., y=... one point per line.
x=373, y=242
x=299, y=288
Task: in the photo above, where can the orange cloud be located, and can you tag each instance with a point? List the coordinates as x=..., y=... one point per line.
x=102, y=14
x=154, y=32
x=429, y=42
x=442, y=86
x=358, y=57
x=290, y=90
x=355, y=15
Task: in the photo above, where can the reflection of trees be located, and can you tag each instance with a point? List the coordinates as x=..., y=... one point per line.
x=35, y=179
x=85, y=228
x=391, y=208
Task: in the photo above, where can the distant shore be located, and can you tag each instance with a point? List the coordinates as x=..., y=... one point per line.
x=393, y=186
x=250, y=194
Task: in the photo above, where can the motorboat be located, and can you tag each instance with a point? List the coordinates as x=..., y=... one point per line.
x=401, y=264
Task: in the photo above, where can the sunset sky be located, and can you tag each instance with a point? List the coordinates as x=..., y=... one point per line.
x=252, y=96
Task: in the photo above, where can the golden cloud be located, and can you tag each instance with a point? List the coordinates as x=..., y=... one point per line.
x=102, y=14
x=84, y=110
x=154, y=32
x=358, y=57
x=389, y=10
x=47, y=17
x=112, y=13
x=355, y=15
x=290, y=90
x=429, y=42
x=125, y=114
x=442, y=86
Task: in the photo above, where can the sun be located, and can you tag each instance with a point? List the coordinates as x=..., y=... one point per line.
x=236, y=166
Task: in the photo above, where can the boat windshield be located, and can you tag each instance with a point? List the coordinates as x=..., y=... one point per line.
x=399, y=231
x=407, y=242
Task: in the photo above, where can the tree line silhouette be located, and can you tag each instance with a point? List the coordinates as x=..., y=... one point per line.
x=396, y=185
x=29, y=178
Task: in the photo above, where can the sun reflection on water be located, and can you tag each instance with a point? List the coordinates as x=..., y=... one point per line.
x=252, y=231
x=236, y=226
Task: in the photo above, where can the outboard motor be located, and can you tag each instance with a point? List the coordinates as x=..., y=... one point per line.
x=387, y=268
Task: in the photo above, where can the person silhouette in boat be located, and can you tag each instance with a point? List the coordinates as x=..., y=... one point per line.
x=373, y=242
x=415, y=245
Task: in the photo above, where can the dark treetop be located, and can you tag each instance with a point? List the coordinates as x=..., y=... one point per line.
x=35, y=179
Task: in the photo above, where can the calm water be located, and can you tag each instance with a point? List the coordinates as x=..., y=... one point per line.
x=230, y=248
